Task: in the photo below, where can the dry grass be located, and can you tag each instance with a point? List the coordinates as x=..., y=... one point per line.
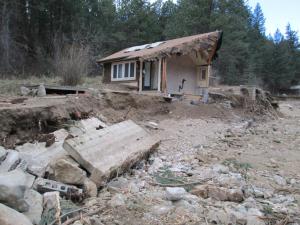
x=11, y=86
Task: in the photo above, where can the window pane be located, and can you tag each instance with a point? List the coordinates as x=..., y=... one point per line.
x=115, y=72
x=131, y=69
x=126, y=72
x=120, y=70
x=203, y=74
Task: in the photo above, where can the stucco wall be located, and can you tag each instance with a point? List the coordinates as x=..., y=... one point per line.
x=178, y=68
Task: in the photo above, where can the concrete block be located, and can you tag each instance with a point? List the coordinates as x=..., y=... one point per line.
x=111, y=150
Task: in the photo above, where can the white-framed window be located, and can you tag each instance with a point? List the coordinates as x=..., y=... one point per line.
x=123, y=71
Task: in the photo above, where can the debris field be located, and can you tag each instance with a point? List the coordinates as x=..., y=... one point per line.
x=122, y=158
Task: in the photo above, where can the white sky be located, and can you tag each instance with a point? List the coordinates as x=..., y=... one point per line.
x=278, y=13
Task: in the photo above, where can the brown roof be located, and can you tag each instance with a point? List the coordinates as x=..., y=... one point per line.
x=209, y=43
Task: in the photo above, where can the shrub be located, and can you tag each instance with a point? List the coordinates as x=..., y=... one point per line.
x=72, y=64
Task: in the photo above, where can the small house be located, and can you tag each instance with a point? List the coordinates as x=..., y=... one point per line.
x=177, y=66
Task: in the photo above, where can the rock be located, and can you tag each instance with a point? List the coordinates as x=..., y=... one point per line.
x=67, y=171
x=117, y=200
x=41, y=92
x=175, y=193
x=218, y=193
x=219, y=168
x=230, y=180
x=113, y=149
x=13, y=185
x=200, y=191
x=87, y=126
x=9, y=216
x=11, y=161
x=25, y=91
x=90, y=188
x=161, y=209
x=156, y=165
x=280, y=180
x=3, y=154
x=51, y=202
x=35, y=201
x=95, y=220
x=218, y=216
x=118, y=184
x=77, y=223
x=253, y=217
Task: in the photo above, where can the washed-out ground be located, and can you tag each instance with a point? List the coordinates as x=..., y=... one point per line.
x=229, y=166
x=256, y=160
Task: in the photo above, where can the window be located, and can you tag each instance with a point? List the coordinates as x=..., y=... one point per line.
x=123, y=71
x=203, y=74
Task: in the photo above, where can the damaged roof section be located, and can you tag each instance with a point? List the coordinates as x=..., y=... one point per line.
x=207, y=43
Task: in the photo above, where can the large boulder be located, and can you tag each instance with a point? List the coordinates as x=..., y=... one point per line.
x=10, y=216
x=13, y=185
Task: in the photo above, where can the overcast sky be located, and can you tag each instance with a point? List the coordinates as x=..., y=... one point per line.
x=278, y=13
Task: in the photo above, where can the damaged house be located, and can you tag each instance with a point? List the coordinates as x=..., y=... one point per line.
x=178, y=66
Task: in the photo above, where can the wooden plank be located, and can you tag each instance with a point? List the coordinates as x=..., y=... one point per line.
x=112, y=150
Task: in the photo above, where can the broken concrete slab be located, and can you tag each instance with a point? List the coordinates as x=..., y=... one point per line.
x=13, y=185
x=9, y=216
x=111, y=150
x=35, y=202
x=86, y=126
x=66, y=170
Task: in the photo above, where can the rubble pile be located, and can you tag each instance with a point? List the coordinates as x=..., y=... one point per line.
x=101, y=174
x=36, y=178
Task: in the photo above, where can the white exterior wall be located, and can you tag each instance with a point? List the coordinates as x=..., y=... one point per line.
x=178, y=68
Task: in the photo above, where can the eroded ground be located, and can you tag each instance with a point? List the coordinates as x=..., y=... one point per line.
x=254, y=159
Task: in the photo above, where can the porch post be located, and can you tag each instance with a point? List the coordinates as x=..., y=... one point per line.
x=141, y=76
x=208, y=74
x=159, y=76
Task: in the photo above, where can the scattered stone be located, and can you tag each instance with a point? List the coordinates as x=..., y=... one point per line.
x=89, y=188
x=152, y=125
x=9, y=216
x=41, y=92
x=35, y=202
x=220, y=168
x=67, y=171
x=51, y=202
x=156, y=165
x=117, y=200
x=117, y=185
x=13, y=185
x=218, y=193
x=280, y=180
x=175, y=193
x=161, y=209
x=25, y=91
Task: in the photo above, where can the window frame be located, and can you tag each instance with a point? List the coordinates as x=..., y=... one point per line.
x=123, y=78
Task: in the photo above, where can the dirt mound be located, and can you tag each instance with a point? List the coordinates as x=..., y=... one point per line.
x=28, y=121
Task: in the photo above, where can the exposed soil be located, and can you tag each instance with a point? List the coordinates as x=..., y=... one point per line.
x=24, y=120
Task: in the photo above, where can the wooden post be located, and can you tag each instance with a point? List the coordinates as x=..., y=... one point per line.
x=164, y=75
x=159, y=76
x=208, y=74
x=141, y=76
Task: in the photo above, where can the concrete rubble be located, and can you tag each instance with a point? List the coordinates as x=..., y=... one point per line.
x=112, y=150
